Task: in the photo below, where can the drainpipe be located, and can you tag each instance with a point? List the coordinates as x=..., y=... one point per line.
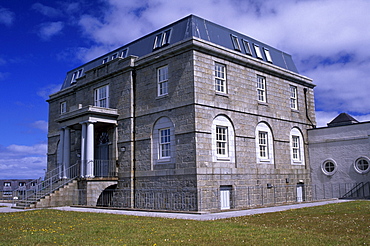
x=306, y=105
x=133, y=184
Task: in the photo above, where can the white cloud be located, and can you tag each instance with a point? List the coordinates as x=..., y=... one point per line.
x=21, y=161
x=44, y=92
x=6, y=17
x=47, y=30
x=46, y=10
x=41, y=125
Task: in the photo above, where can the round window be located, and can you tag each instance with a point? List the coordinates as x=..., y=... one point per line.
x=362, y=165
x=329, y=167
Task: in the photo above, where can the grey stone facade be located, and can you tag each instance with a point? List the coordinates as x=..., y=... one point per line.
x=192, y=110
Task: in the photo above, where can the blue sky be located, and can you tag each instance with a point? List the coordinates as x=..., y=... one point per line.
x=42, y=40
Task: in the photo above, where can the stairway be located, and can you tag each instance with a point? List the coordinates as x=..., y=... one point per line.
x=359, y=191
x=47, y=189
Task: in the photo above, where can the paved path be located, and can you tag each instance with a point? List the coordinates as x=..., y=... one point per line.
x=210, y=216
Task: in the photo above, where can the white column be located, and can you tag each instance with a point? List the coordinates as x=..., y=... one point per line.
x=60, y=153
x=90, y=150
x=66, y=151
x=83, y=150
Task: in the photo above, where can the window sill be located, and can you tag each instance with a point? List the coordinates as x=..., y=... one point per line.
x=223, y=159
x=162, y=96
x=222, y=94
x=263, y=103
x=294, y=110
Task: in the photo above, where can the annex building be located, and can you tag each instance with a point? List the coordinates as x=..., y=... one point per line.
x=192, y=117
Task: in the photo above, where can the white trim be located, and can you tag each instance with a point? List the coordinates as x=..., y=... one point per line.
x=298, y=159
x=326, y=172
x=269, y=158
x=222, y=121
x=357, y=169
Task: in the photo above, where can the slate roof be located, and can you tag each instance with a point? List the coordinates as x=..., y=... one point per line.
x=186, y=28
x=342, y=120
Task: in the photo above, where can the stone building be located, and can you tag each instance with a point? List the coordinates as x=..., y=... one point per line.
x=339, y=157
x=188, y=117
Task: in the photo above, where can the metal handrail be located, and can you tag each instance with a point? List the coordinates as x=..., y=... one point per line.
x=49, y=185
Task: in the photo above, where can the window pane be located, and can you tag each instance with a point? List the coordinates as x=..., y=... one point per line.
x=220, y=78
x=165, y=143
x=221, y=140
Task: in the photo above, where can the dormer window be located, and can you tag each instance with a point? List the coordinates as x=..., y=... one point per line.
x=247, y=47
x=162, y=39
x=76, y=75
x=258, y=51
x=105, y=60
x=235, y=41
x=114, y=56
x=268, y=55
x=124, y=53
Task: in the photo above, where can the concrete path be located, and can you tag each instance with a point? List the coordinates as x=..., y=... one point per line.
x=210, y=216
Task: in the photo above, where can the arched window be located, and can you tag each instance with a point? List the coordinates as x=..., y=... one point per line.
x=264, y=144
x=163, y=142
x=296, y=147
x=223, y=139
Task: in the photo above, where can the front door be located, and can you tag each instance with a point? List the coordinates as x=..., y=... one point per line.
x=102, y=156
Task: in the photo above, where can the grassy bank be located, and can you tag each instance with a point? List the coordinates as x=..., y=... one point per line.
x=335, y=224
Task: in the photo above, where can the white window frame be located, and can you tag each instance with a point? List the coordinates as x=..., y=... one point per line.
x=220, y=78
x=235, y=41
x=258, y=51
x=263, y=144
x=7, y=184
x=164, y=143
x=222, y=144
x=114, y=56
x=77, y=74
x=162, y=80
x=247, y=47
x=124, y=53
x=332, y=163
x=163, y=149
x=359, y=169
x=267, y=145
x=105, y=60
x=293, y=97
x=101, y=97
x=261, y=88
x=63, y=107
x=223, y=147
x=162, y=39
x=297, y=155
x=267, y=54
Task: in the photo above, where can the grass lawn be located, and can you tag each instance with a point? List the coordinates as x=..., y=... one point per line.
x=335, y=224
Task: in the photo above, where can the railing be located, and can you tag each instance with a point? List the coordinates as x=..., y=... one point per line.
x=361, y=190
x=56, y=179
x=208, y=199
x=102, y=168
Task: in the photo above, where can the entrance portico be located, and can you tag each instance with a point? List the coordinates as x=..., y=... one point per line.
x=84, y=120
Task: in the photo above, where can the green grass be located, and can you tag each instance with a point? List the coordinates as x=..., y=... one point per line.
x=335, y=224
